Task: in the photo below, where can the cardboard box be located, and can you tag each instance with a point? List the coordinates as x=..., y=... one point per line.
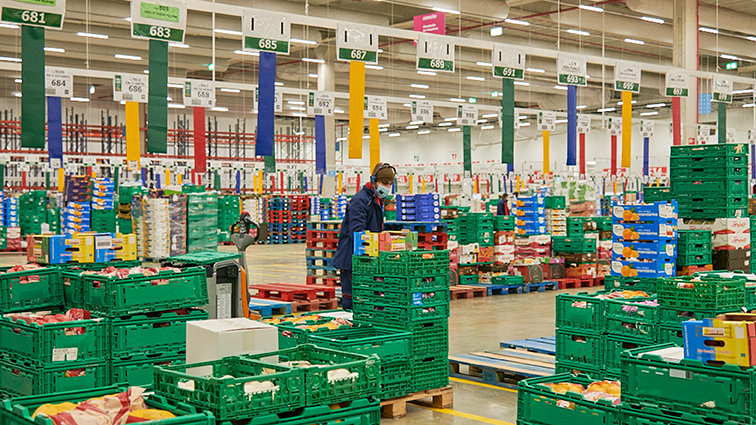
x=645, y=250
x=728, y=338
x=717, y=226
x=728, y=241
x=645, y=231
x=208, y=340
x=657, y=211
x=663, y=267
x=504, y=238
x=580, y=271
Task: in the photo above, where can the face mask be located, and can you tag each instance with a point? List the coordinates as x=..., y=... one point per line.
x=382, y=191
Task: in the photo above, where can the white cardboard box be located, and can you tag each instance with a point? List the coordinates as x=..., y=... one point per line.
x=208, y=340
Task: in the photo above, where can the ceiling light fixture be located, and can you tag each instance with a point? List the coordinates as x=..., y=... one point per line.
x=146, y=71
x=382, y=130
x=726, y=56
x=297, y=108
x=313, y=60
x=295, y=102
x=487, y=127
x=481, y=63
x=219, y=109
x=648, y=114
x=419, y=86
x=491, y=116
x=749, y=105
x=229, y=32
x=79, y=99
x=338, y=111
x=175, y=86
x=524, y=124
x=18, y=94
x=452, y=119
x=474, y=78
x=454, y=130
x=299, y=115
x=429, y=73
x=341, y=139
x=653, y=20
x=742, y=91
x=634, y=41
x=560, y=121
x=9, y=26
x=579, y=32
x=407, y=105
x=417, y=96
x=581, y=106
x=394, y=134
x=751, y=38
x=591, y=8
x=412, y=127
x=179, y=45
x=416, y=122
x=176, y=106
x=709, y=30
x=312, y=75
x=656, y=105
x=279, y=84
x=441, y=9
x=421, y=132
x=496, y=31
x=229, y=90
x=127, y=57
x=517, y=22
x=521, y=83
x=558, y=87
x=606, y=110
x=55, y=50
x=536, y=70
x=445, y=124
x=92, y=35
x=18, y=80
x=243, y=52
x=384, y=125
x=7, y=59
x=376, y=67
x=301, y=41
x=458, y=100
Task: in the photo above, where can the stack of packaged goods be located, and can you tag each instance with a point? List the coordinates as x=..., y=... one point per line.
x=322, y=239
x=389, y=209
x=137, y=220
x=125, y=195
x=408, y=291
x=530, y=213
x=79, y=249
x=228, y=213
x=579, y=256
x=645, y=240
x=418, y=207
x=710, y=181
x=202, y=222
x=532, y=255
x=157, y=228
x=556, y=215
x=178, y=211
x=693, y=252
x=104, y=214
x=431, y=235
x=300, y=205
x=279, y=219
x=315, y=207
x=11, y=212
x=504, y=240
x=77, y=217
x=606, y=205
x=255, y=205
x=32, y=211
x=580, y=195
x=604, y=245
x=475, y=246
x=338, y=207
x=78, y=189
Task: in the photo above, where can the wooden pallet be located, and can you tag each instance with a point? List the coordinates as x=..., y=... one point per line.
x=499, y=289
x=503, y=367
x=443, y=398
x=293, y=292
x=267, y=308
x=540, y=287
x=573, y=282
x=598, y=281
x=315, y=305
x=543, y=345
x=466, y=292
x=320, y=280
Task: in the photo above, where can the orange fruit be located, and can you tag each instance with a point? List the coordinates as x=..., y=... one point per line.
x=636, y=235
x=635, y=217
x=627, y=251
x=635, y=254
x=625, y=271
x=627, y=234
x=627, y=215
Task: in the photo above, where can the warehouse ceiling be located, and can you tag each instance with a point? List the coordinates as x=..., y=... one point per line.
x=635, y=30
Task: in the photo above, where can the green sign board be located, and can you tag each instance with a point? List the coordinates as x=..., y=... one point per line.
x=32, y=17
x=435, y=64
x=721, y=97
x=677, y=92
x=575, y=80
x=158, y=32
x=626, y=86
x=266, y=44
x=358, y=55
x=506, y=72
x=159, y=12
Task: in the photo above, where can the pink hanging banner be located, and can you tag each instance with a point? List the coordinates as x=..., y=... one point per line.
x=434, y=23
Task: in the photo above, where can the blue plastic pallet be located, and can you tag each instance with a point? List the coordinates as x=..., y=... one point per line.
x=417, y=226
x=265, y=307
x=545, y=345
x=540, y=287
x=499, y=289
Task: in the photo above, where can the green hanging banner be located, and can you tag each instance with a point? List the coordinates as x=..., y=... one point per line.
x=466, y=150
x=301, y=181
x=269, y=164
x=722, y=122
x=217, y=181
x=32, y=87
x=157, y=109
x=507, y=121
x=116, y=174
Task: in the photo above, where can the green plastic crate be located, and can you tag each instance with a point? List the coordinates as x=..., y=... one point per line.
x=402, y=298
x=655, y=194
x=468, y=279
x=650, y=415
x=30, y=289
x=390, y=345
x=508, y=280
x=614, y=345
x=555, y=202
x=504, y=223
x=111, y=296
x=138, y=369
x=561, y=244
x=671, y=334
x=430, y=372
x=581, y=311
x=539, y=405
x=22, y=378
x=579, y=348
x=731, y=187
x=692, y=249
x=151, y=333
x=385, y=313
x=55, y=344
x=698, y=151
x=693, y=237
x=19, y=410
x=431, y=336
x=362, y=264
x=401, y=283
x=673, y=317
x=631, y=310
x=395, y=389
x=645, y=284
x=414, y=263
x=708, y=293
x=364, y=380
x=694, y=259
x=647, y=378
x=290, y=336
x=713, y=170
x=636, y=331
x=704, y=212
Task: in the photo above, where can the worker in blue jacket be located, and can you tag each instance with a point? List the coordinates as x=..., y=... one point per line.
x=364, y=212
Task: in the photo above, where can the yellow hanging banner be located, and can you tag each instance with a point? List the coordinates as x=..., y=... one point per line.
x=179, y=179
x=133, y=142
x=422, y=179
x=375, y=143
x=167, y=177
x=340, y=187
x=627, y=123
x=260, y=182
x=61, y=179
x=411, y=183
x=546, y=145
x=356, y=108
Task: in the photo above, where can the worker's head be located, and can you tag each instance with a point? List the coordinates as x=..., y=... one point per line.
x=382, y=179
x=506, y=196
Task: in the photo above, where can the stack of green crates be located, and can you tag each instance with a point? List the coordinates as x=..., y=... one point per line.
x=656, y=194
x=228, y=214
x=710, y=181
x=3, y=238
x=103, y=221
x=468, y=228
x=555, y=202
x=577, y=227
x=452, y=229
x=202, y=221
x=693, y=248
x=408, y=291
x=753, y=239
x=504, y=223
x=568, y=245
x=32, y=211
x=645, y=284
x=484, y=229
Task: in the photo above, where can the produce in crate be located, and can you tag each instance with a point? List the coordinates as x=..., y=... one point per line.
x=23, y=268
x=42, y=319
x=602, y=390
x=124, y=273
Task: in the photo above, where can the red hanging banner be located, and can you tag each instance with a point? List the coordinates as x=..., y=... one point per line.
x=200, y=148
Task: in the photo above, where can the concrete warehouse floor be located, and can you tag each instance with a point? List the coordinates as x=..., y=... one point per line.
x=476, y=324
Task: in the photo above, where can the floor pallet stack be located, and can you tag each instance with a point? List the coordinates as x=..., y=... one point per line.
x=228, y=214
x=202, y=221
x=418, y=207
x=322, y=239
x=556, y=215
x=32, y=211
x=693, y=252
x=504, y=239
x=408, y=291
x=300, y=206
x=256, y=206
x=531, y=255
x=476, y=245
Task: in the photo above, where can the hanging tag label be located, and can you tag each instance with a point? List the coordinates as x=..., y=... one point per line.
x=508, y=64
x=676, y=84
x=730, y=135
x=158, y=20
x=752, y=136
x=320, y=103
x=269, y=32
x=357, y=43
x=615, y=126
x=55, y=163
x=130, y=88
x=627, y=76
x=547, y=121
x=704, y=131
x=584, y=124
x=422, y=111
x=721, y=89
x=647, y=129
x=435, y=53
x=37, y=13
x=58, y=82
x=375, y=107
x=133, y=165
x=199, y=93
x=572, y=69
x=467, y=115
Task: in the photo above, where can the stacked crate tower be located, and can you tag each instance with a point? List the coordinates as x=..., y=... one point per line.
x=322, y=239
x=228, y=213
x=256, y=206
x=710, y=182
x=279, y=219
x=300, y=205
x=504, y=239
x=476, y=245
x=202, y=221
x=408, y=291
x=338, y=207
x=556, y=215
x=581, y=230
x=104, y=214
x=604, y=245
x=693, y=252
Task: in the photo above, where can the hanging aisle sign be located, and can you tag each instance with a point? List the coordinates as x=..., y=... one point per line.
x=422, y=111
x=516, y=119
x=320, y=103
x=357, y=43
x=584, y=124
x=158, y=20
x=507, y=64
x=647, y=129
x=703, y=133
x=467, y=115
x=435, y=53
x=130, y=88
x=721, y=89
x=572, y=70
x=199, y=93
x=58, y=82
x=615, y=126
x=278, y=99
x=676, y=84
x=270, y=32
x=752, y=137
x=730, y=135
x=627, y=76
x=375, y=107
x=36, y=13
x=547, y=121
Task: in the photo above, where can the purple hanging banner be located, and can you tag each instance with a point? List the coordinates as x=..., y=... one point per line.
x=320, y=145
x=266, y=104
x=645, y=156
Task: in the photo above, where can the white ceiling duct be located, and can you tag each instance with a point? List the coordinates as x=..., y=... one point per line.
x=299, y=8
x=489, y=8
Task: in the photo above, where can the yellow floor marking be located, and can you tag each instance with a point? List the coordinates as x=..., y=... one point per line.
x=480, y=384
x=483, y=419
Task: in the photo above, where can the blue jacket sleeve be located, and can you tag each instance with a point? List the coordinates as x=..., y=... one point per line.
x=358, y=214
x=500, y=208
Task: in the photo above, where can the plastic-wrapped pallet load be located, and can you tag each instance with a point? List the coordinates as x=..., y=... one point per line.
x=157, y=231
x=255, y=206
x=177, y=207
x=202, y=221
x=338, y=206
x=645, y=240
x=228, y=213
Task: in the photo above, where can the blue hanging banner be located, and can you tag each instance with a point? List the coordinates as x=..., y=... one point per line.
x=157, y=181
x=571, y=125
x=320, y=145
x=54, y=132
x=144, y=177
x=645, y=156
x=266, y=104
x=320, y=188
x=238, y=181
x=305, y=184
